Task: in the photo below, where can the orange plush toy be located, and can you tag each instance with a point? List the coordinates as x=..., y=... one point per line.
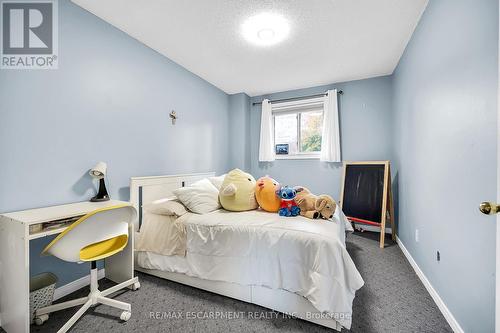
x=265, y=192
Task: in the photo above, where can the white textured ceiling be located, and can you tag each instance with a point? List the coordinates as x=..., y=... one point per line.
x=329, y=40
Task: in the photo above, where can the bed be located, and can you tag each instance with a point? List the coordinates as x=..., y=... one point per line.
x=295, y=265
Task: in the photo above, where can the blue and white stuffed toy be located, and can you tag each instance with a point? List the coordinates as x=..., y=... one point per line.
x=288, y=205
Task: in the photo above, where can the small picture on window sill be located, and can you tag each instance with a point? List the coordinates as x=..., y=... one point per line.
x=282, y=149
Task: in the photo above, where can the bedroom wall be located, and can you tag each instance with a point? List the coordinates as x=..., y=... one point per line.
x=109, y=101
x=239, y=131
x=445, y=104
x=365, y=111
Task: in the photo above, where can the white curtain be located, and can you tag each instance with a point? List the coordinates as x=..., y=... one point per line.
x=330, y=142
x=266, y=146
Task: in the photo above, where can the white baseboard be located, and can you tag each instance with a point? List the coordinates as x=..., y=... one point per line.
x=455, y=326
x=75, y=285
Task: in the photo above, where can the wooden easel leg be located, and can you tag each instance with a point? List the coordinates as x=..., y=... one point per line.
x=391, y=209
x=382, y=233
x=385, y=196
x=393, y=228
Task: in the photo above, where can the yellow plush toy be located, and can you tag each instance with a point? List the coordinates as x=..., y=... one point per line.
x=265, y=192
x=237, y=192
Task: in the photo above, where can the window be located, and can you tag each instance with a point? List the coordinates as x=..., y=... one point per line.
x=297, y=131
x=300, y=128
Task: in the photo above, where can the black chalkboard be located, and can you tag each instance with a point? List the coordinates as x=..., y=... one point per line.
x=363, y=194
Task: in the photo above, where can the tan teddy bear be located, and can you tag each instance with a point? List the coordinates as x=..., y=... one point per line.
x=315, y=206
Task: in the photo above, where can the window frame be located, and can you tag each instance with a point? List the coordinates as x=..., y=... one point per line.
x=297, y=108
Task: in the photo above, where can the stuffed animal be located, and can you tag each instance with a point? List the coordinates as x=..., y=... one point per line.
x=237, y=192
x=315, y=206
x=288, y=205
x=265, y=192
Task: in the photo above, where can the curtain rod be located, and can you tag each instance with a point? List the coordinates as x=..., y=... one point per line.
x=297, y=98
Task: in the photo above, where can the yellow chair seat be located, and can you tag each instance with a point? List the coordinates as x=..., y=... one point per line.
x=103, y=249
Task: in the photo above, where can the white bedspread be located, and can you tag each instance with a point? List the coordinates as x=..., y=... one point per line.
x=304, y=256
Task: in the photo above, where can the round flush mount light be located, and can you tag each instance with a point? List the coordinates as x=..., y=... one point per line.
x=265, y=29
x=266, y=34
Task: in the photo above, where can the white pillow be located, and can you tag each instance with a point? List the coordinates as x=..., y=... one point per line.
x=166, y=206
x=201, y=197
x=217, y=181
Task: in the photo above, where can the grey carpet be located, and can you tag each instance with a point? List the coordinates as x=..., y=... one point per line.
x=392, y=300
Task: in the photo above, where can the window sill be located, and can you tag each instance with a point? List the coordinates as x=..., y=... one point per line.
x=297, y=157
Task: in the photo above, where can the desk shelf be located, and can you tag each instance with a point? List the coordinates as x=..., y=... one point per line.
x=45, y=233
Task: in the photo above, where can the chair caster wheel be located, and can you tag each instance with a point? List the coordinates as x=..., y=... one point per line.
x=39, y=320
x=136, y=286
x=125, y=316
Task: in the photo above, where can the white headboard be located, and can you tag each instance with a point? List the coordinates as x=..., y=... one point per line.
x=144, y=190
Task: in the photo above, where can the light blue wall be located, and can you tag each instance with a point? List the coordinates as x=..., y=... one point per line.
x=366, y=134
x=108, y=101
x=445, y=104
x=239, y=131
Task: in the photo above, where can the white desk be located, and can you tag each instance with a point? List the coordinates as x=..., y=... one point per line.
x=14, y=257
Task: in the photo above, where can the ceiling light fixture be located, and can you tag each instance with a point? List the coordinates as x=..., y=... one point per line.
x=265, y=29
x=266, y=34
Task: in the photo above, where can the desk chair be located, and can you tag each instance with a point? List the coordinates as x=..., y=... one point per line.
x=97, y=235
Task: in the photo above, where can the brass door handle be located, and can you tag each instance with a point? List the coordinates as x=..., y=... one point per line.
x=489, y=208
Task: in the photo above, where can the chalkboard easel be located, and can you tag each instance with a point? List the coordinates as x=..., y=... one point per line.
x=366, y=195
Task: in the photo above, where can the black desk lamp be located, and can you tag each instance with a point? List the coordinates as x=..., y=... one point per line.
x=99, y=172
